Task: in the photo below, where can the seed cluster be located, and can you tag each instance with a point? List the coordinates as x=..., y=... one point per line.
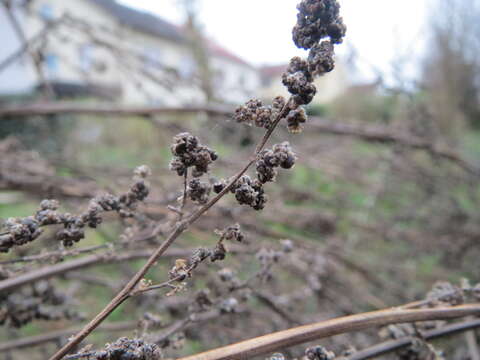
x=21, y=231
x=128, y=349
x=250, y=192
x=318, y=19
x=444, y=292
x=40, y=301
x=188, y=152
x=299, y=81
x=320, y=58
x=232, y=232
x=319, y=353
x=198, y=191
x=254, y=112
x=281, y=155
x=295, y=119
x=183, y=268
x=448, y=293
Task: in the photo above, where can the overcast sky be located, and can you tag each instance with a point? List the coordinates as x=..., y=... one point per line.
x=260, y=30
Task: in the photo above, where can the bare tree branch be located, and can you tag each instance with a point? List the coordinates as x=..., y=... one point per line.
x=302, y=334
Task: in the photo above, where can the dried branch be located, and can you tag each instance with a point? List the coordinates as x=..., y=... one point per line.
x=393, y=345
x=294, y=336
x=51, y=25
x=387, y=135
x=58, y=108
x=81, y=263
x=35, y=56
x=55, y=335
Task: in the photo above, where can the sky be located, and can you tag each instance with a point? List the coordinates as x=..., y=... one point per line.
x=259, y=31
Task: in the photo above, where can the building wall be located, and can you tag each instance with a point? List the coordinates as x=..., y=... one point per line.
x=140, y=67
x=235, y=82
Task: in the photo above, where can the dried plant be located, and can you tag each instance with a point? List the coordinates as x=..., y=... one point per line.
x=284, y=277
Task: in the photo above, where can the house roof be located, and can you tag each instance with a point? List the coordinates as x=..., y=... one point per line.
x=218, y=50
x=273, y=71
x=141, y=20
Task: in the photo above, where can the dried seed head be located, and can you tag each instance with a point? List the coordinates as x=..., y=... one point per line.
x=219, y=252
x=142, y=171
x=254, y=112
x=299, y=81
x=198, y=191
x=447, y=293
x=229, y=305
x=265, y=172
x=179, y=271
x=320, y=58
x=232, y=232
x=287, y=245
x=319, y=353
x=226, y=274
x=188, y=152
x=295, y=119
x=286, y=157
x=318, y=19
x=126, y=349
x=280, y=155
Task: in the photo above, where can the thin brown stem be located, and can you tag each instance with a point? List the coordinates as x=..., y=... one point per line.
x=302, y=334
x=184, y=196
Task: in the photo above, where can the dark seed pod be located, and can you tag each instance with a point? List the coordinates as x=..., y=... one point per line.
x=188, y=152
x=295, y=120
x=319, y=353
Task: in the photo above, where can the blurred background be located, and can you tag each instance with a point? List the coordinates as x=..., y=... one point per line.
x=385, y=192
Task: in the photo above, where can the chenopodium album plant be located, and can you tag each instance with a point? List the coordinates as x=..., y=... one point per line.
x=319, y=28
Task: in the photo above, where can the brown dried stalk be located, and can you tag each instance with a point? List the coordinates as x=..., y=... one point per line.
x=298, y=335
x=393, y=345
x=58, y=334
x=87, y=261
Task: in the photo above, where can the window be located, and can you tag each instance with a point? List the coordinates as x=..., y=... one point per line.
x=51, y=64
x=86, y=57
x=152, y=58
x=46, y=12
x=187, y=67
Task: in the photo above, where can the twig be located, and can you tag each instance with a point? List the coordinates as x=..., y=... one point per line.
x=55, y=335
x=472, y=344
x=294, y=336
x=36, y=61
x=54, y=254
x=386, y=136
x=26, y=110
x=57, y=269
x=393, y=345
x=24, y=48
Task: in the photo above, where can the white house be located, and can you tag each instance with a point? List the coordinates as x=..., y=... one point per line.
x=104, y=48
